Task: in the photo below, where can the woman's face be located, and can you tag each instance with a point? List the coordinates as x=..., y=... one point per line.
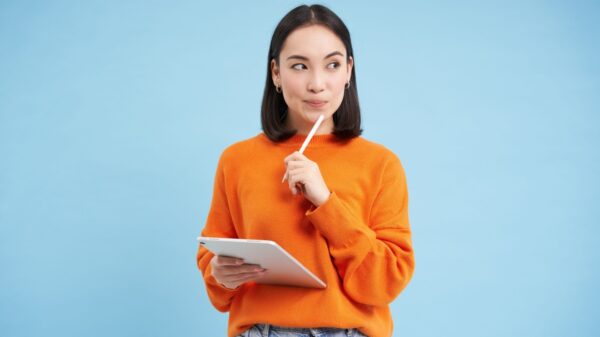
x=312, y=74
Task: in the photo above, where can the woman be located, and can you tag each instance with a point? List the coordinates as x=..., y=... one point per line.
x=343, y=211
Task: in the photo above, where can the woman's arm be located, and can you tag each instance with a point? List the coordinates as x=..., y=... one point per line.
x=218, y=224
x=375, y=260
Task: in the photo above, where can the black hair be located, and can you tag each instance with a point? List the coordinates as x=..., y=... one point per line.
x=346, y=119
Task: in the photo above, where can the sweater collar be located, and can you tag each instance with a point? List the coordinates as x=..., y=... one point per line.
x=328, y=139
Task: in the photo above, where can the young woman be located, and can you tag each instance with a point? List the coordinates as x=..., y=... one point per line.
x=342, y=212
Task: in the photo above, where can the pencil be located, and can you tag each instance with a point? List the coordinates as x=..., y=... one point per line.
x=308, y=138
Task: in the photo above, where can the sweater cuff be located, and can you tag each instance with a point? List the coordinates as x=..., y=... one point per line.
x=338, y=225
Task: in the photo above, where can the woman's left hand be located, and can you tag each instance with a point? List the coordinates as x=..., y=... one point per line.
x=303, y=175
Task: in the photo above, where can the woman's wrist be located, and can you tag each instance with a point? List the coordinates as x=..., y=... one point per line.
x=322, y=199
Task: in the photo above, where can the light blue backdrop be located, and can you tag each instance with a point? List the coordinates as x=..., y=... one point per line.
x=113, y=115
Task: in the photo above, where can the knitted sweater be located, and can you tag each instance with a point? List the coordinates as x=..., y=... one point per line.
x=358, y=242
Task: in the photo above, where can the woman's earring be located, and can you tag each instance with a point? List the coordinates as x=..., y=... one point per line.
x=348, y=85
x=278, y=89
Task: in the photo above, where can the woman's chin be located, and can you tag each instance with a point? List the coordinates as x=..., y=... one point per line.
x=313, y=115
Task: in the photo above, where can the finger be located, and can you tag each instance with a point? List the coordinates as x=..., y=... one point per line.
x=289, y=157
x=298, y=178
x=297, y=185
x=296, y=171
x=248, y=274
x=294, y=164
x=243, y=277
x=291, y=186
x=286, y=174
x=228, y=261
x=293, y=183
x=235, y=270
x=296, y=155
x=235, y=283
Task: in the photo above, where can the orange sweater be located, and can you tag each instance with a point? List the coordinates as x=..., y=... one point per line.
x=358, y=241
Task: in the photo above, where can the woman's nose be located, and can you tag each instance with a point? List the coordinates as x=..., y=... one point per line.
x=316, y=82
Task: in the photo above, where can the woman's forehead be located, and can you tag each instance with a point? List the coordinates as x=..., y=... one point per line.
x=311, y=42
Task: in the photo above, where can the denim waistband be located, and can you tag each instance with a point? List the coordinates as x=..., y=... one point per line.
x=265, y=328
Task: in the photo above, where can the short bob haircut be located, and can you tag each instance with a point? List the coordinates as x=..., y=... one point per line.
x=274, y=109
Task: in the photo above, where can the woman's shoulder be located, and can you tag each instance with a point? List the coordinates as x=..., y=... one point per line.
x=380, y=157
x=375, y=150
x=240, y=149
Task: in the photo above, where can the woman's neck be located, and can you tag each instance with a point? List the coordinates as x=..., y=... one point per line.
x=303, y=127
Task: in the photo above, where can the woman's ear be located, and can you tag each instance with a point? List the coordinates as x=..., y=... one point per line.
x=275, y=73
x=349, y=68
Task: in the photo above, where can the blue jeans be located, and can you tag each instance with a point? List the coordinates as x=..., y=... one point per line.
x=268, y=330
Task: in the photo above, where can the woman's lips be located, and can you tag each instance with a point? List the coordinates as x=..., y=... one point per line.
x=315, y=103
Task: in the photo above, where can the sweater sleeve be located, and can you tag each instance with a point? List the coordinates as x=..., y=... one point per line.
x=375, y=260
x=218, y=224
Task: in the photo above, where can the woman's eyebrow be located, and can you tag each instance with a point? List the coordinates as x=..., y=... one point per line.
x=304, y=58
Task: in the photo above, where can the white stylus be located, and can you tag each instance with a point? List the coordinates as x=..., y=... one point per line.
x=308, y=138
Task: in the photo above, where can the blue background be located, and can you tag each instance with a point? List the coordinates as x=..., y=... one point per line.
x=113, y=115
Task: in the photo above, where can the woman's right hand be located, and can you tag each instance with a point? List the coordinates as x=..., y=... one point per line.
x=231, y=272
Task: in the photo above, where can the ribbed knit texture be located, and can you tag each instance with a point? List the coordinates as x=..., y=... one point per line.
x=358, y=241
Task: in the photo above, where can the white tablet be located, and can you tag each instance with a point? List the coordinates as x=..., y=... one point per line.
x=282, y=268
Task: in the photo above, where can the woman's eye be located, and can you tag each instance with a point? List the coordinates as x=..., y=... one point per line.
x=336, y=65
x=298, y=66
